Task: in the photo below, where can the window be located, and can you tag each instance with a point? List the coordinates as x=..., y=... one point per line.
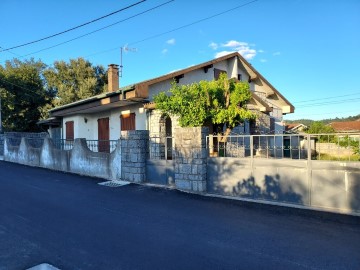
x=127, y=121
x=217, y=73
x=239, y=77
x=69, y=126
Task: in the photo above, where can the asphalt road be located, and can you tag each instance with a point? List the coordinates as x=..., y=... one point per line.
x=72, y=222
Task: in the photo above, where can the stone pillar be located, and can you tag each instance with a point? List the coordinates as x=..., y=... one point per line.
x=191, y=158
x=134, y=149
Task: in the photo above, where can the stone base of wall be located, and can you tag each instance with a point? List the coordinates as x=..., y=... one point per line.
x=191, y=158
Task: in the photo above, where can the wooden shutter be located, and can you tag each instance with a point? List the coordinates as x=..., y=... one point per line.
x=103, y=135
x=217, y=73
x=69, y=126
x=127, y=121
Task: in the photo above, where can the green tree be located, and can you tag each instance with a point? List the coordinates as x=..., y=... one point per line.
x=221, y=102
x=319, y=127
x=75, y=80
x=22, y=94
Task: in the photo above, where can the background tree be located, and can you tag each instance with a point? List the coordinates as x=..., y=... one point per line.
x=23, y=94
x=317, y=127
x=75, y=80
x=221, y=102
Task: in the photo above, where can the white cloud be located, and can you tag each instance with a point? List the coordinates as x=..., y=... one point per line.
x=276, y=53
x=222, y=53
x=213, y=45
x=164, y=51
x=263, y=60
x=261, y=51
x=247, y=53
x=243, y=48
x=171, y=41
x=234, y=44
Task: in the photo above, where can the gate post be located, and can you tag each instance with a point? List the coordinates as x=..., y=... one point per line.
x=134, y=149
x=191, y=158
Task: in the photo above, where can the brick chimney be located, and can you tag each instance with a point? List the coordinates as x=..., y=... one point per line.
x=113, y=78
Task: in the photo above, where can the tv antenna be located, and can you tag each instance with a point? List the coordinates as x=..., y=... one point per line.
x=126, y=49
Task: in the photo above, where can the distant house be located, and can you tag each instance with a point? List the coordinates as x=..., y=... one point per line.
x=295, y=128
x=102, y=117
x=346, y=127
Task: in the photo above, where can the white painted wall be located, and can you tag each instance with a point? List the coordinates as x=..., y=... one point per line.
x=89, y=130
x=191, y=77
x=231, y=66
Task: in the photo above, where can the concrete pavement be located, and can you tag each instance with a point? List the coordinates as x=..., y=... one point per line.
x=71, y=222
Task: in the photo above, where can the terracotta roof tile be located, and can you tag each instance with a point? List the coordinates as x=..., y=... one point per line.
x=353, y=126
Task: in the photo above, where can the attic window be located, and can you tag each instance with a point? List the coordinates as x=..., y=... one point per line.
x=177, y=78
x=217, y=73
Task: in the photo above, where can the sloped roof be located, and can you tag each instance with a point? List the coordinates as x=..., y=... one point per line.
x=353, y=126
x=249, y=69
x=138, y=92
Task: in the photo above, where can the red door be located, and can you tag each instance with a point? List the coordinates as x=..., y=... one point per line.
x=103, y=135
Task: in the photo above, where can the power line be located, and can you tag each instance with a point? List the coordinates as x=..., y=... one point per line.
x=22, y=87
x=10, y=52
x=329, y=103
x=73, y=28
x=178, y=28
x=305, y=114
x=100, y=29
x=193, y=23
x=309, y=100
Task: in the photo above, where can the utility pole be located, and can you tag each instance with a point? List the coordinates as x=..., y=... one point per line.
x=126, y=49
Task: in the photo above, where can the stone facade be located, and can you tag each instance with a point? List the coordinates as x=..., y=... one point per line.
x=191, y=158
x=161, y=132
x=134, y=147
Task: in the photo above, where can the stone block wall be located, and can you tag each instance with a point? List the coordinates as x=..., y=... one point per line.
x=134, y=147
x=190, y=157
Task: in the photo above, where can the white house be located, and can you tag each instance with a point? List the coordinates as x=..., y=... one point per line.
x=102, y=117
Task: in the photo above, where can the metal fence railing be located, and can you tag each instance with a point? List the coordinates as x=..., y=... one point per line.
x=161, y=147
x=336, y=146
x=63, y=144
x=106, y=146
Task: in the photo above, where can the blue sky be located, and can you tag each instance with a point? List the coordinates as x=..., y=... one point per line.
x=308, y=49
